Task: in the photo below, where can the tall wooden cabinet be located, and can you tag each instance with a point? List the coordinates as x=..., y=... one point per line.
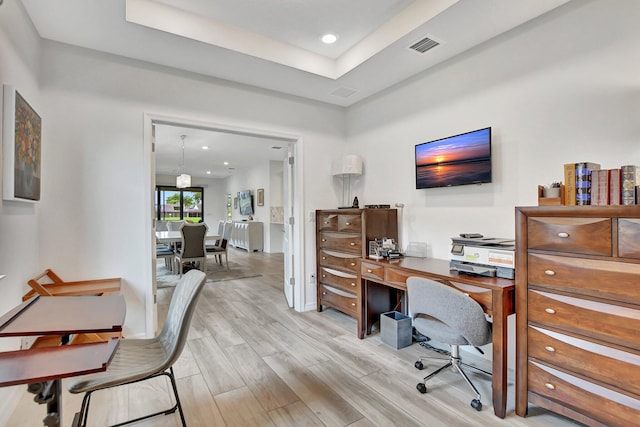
x=342, y=238
x=578, y=312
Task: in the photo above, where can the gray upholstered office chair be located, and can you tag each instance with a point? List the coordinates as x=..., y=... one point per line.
x=192, y=247
x=141, y=359
x=448, y=316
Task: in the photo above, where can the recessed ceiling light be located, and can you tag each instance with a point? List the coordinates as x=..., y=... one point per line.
x=204, y=147
x=208, y=172
x=329, y=38
x=225, y=163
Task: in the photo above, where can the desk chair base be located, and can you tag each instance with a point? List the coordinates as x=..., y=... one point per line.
x=454, y=363
x=81, y=417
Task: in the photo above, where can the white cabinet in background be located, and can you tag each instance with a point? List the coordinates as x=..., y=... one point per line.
x=247, y=235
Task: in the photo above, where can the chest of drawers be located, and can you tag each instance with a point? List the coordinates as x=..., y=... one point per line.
x=578, y=312
x=342, y=237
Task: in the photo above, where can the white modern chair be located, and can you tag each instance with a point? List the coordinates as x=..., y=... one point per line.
x=221, y=248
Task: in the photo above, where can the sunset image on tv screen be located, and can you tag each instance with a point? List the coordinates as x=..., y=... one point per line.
x=456, y=160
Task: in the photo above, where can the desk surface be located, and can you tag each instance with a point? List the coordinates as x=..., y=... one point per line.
x=440, y=268
x=64, y=315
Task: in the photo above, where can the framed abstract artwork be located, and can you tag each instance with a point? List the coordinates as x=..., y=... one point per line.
x=21, y=148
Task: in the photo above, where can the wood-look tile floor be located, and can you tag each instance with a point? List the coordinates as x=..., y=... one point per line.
x=252, y=361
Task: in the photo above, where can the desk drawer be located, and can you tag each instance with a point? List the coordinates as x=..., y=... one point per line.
x=351, y=243
x=327, y=222
x=397, y=277
x=371, y=271
x=599, y=403
x=344, y=281
x=606, y=322
x=604, y=279
x=350, y=223
x=590, y=236
x=337, y=298
x=629, y=238
x=604, y=364
x=337, y=259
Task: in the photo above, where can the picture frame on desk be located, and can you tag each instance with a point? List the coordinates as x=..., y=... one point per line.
x=21, y=148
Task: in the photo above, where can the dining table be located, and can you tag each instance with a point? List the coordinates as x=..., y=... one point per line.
x=43, y=368
x=175, y=236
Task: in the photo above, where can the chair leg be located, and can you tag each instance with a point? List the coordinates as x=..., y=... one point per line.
x=83, y=415
x=226, y=258
x=455, y=363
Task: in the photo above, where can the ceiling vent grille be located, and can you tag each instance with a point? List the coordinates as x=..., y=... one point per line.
x=424, y=45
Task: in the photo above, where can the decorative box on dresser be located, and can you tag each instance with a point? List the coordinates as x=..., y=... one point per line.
x=578, y=312
x=342, y=238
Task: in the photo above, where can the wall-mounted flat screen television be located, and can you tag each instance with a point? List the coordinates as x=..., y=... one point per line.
x=455, y=160
x=245, y=202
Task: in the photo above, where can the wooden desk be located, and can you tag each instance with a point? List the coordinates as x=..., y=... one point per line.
x=59, y=316
x=379, y=279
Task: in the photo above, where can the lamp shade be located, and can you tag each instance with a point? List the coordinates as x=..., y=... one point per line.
x=351, y=164
x=183, y=181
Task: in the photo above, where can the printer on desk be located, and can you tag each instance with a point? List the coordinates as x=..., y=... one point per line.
x=484, y=256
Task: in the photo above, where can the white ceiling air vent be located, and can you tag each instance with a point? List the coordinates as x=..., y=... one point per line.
x=343, y=92
x=424, y=44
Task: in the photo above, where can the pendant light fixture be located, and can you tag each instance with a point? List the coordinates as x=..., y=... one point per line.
x=183, y=180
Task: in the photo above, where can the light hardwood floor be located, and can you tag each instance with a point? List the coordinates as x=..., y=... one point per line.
x=251, y=361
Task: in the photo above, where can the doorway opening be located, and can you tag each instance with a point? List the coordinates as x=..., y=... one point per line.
x=291, y=197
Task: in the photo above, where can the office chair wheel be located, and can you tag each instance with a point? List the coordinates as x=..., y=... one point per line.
x=419, y=365
x=476, y=404
x=421, y=388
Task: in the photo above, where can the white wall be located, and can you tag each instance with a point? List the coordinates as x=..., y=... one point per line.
x=19, y=226
x=95, y=194
x=562, y=89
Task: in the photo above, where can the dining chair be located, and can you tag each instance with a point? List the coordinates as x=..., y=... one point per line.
x=222, y=245
x=192, y=247
x=138, y=360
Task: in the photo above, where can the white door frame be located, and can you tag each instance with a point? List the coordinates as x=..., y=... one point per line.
x=149, y=185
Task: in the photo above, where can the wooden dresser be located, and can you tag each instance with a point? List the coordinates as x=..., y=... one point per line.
x=342, y=238
x=578, y=312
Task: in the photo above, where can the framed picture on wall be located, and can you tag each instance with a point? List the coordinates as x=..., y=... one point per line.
x=260, y=196
x=21, y=148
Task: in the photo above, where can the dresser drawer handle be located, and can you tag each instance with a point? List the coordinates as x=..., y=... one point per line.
x=324, y=293
x=352, y=243
x=353, y=264
x=324, y=240
x=353, y=284
x=369, y=270
x=550, y=349
x=324, y=257
x=353, y=304
x=550, y=310
x=326, y=222
x=563, y=235
x=550, y=272
x=347, y=223
x=550, y=386
x=324, y=276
